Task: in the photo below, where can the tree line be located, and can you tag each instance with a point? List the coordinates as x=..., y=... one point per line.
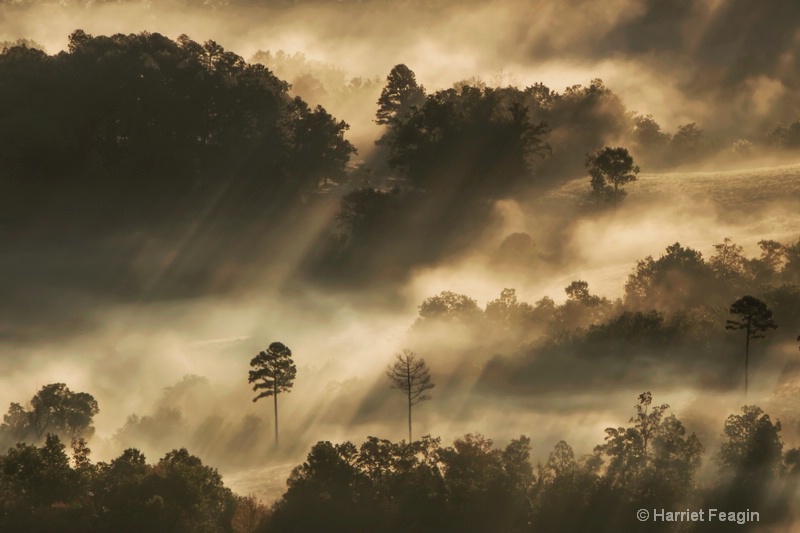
x=669, y=326
x=124, y=141
x=664, y=315
x=275, y=371
x=472, y=485
x=160, y=141
x=145, y=121
x=420, y=485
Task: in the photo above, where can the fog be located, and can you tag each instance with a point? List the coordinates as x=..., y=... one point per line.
x=127, y=354
x=723, y=63
x=148, y=354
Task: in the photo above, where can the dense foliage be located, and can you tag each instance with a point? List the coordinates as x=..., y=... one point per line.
x=56, y=410
x=416, y=486
x=473, y=486
x=129, y=139
x=129, y=142
x=41, y=491
x=669, y=325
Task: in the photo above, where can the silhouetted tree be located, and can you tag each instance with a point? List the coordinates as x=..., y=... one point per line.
x=412, y=376
x=317, y=150
x=750, y=460
x=772, y=253
x=766, y=268
x=650, y=463
x=728, y=261
x=753, y=444
x=564, y=489
x=649, y=141
x=578, y=290
x=674, y=280
x=755, y=318
x=469, y=143
x=647, y=421
x=40, y=491
x=628, y=333
x=582, y=118
x=407, y=483
x=581, y=308
x=195, y=498
x=273, y=372
x=508, y=313
x=688, y=144
x=326, y=493
x=122, y=493
x=610, y=169
x=791, y=270
x=449, y=306
x=487, y=488
x=398, y=96
x=54, y=409
x=32, y=482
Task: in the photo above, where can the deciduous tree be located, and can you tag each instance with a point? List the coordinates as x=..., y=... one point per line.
x=610, y=169
x=54, y=409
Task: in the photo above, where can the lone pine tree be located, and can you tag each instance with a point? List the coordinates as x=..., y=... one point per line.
x=755, y=318
x=273, y=372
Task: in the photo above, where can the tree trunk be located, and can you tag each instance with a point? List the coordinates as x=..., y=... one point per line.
x=746, y=357
x=645, y=449
x=275, y=397
x=408, y=381
x=409, y=418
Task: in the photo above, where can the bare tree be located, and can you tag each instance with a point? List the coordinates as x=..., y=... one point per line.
x=412, y=376
x=755, y=319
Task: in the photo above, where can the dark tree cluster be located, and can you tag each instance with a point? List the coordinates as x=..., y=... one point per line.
x=138, y=134
x=143, y=117
x=454, y=152
x=467, y=142
x=419, y=486
x=41, y=490
x=681, y=278
x=173, y=147
x=449, y=155
x=415, y=486
x=56, y=410
x=473, y=486
x=507, y=320
x=669, y=325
